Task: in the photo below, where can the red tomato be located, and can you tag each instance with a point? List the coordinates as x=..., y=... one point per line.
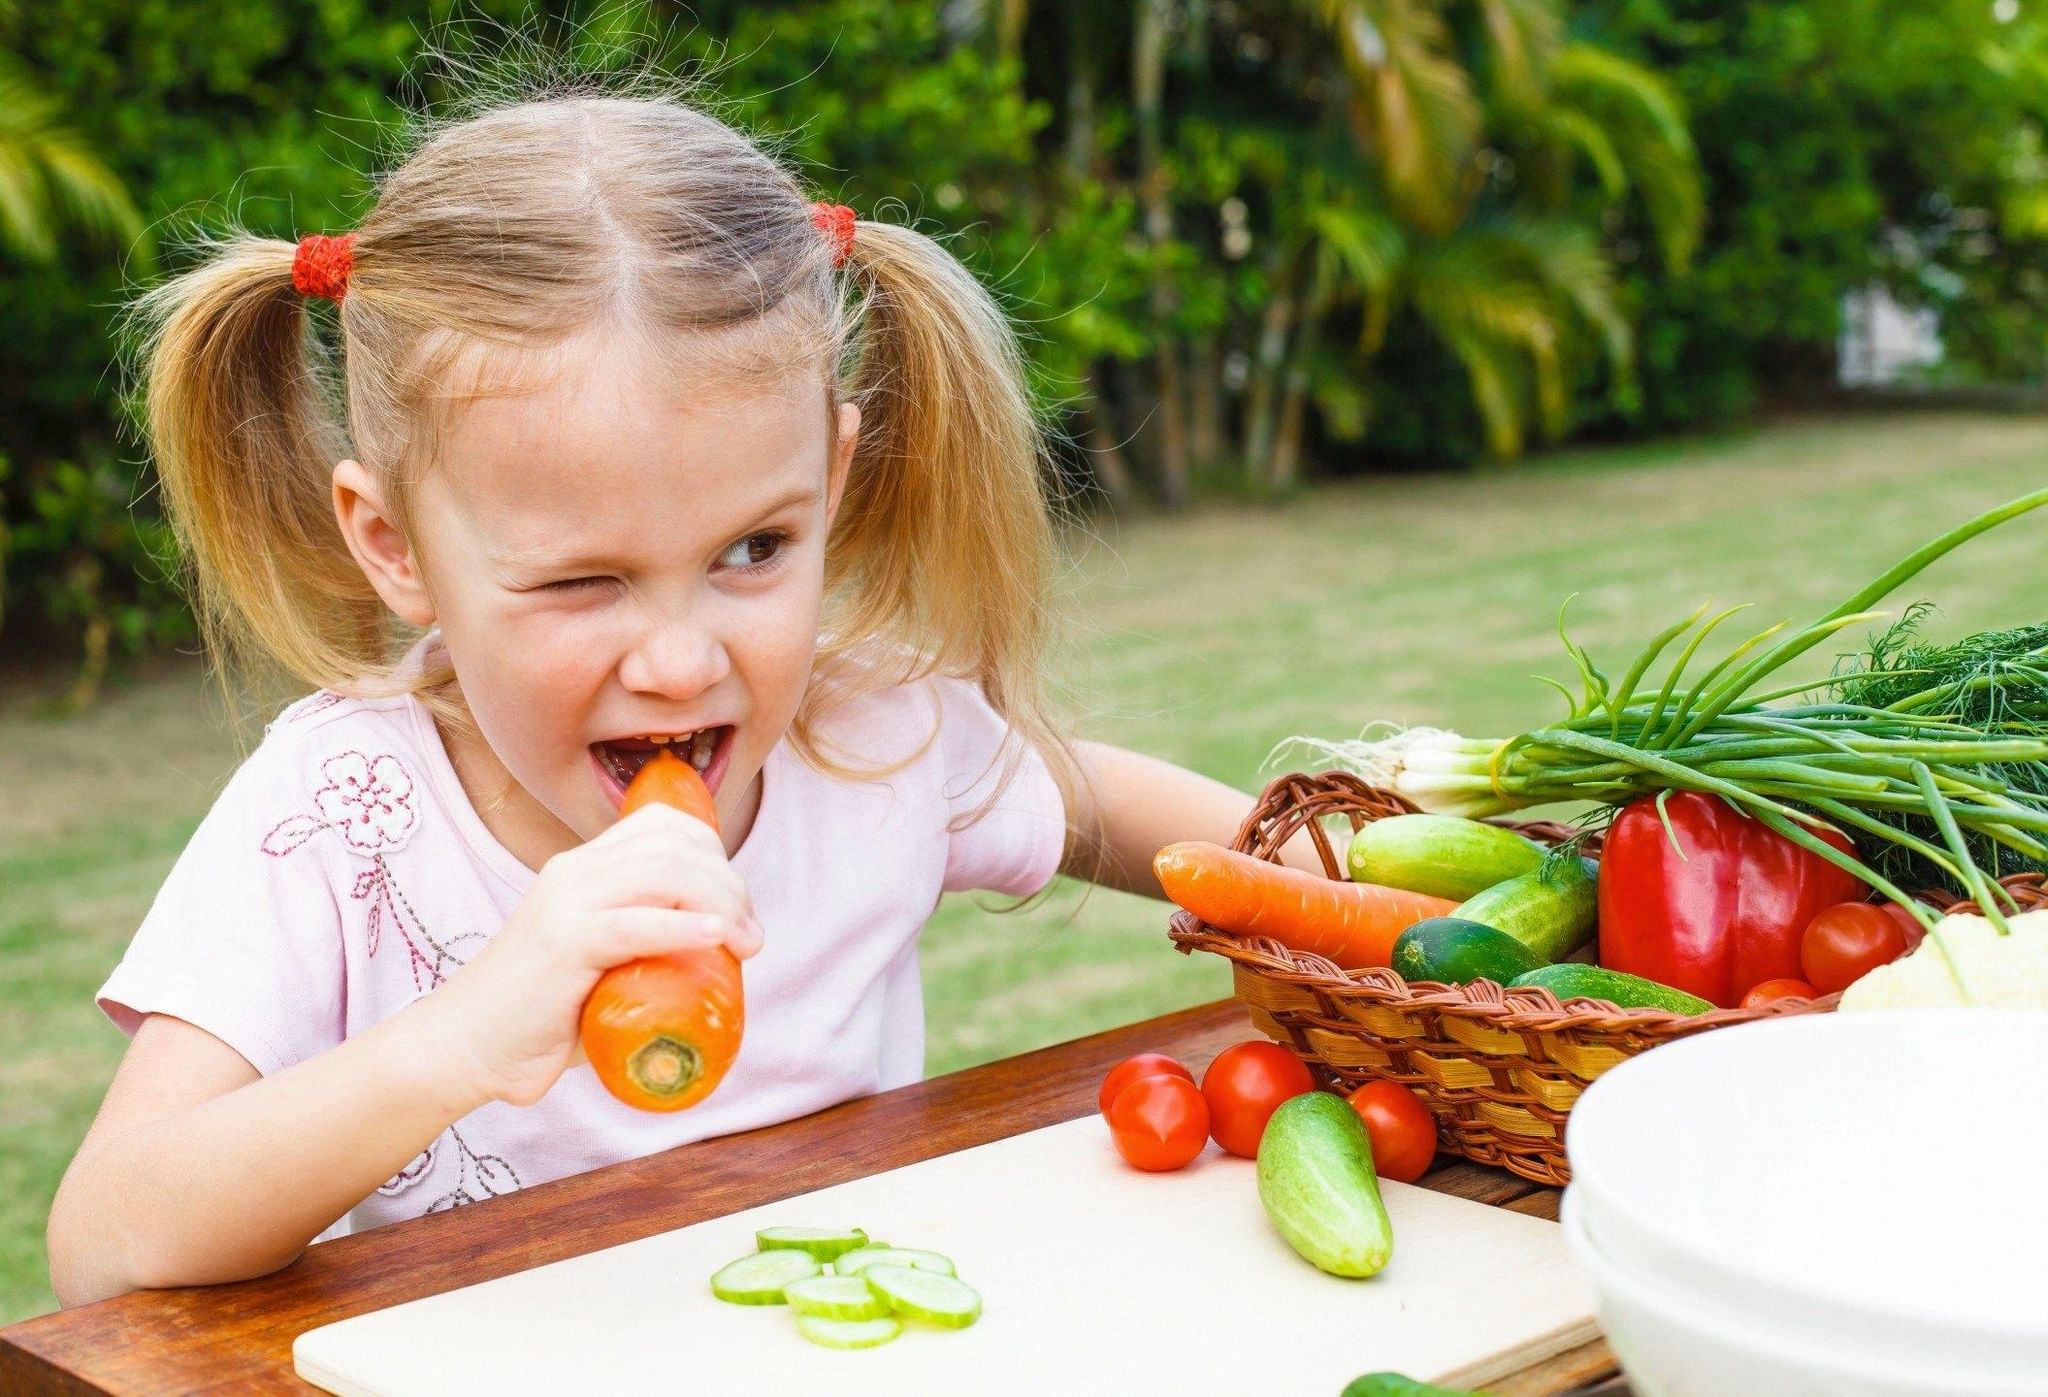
x=1915, y=933
x=1244, y=1086
x=1132, y=1068
x=1847, y=941
x=1778, y=989
x=1403, y=1131
x=1159, y=1122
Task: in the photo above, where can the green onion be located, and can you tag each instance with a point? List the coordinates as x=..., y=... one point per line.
x=1943, y=774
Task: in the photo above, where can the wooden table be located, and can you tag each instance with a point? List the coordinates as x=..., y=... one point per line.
x=239, y=1337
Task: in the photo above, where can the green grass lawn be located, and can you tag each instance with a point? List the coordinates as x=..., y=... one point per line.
x=1204, y=639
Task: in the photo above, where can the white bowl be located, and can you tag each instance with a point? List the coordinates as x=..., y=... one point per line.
x=1867, y=1185
x=1672, y=1344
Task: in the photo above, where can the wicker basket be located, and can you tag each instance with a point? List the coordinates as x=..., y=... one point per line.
x=1500, y=1068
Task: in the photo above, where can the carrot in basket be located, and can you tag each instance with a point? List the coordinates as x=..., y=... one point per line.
x=1353, y=924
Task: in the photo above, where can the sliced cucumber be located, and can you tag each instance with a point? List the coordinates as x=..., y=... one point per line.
x=821, y=1242
x=925, y=1295
x=848, y=1333
x=855, y=1262
x=759, y=1279
x=835, y=1297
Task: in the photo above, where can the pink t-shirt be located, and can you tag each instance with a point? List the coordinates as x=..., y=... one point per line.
x=343, y=873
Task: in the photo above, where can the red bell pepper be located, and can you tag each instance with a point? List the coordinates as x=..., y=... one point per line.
x=1725, y=915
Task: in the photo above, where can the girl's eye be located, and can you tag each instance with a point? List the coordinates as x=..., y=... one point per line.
x=755, y=552
x=576, y=584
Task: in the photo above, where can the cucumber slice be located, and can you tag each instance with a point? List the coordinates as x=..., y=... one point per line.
x=835, y=1297
x=759, y=1279
x=925, y=1295
x=821, y=1242
x=848, y=1333
x=855, y=1262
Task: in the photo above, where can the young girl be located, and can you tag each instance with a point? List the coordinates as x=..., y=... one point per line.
x=632, y=446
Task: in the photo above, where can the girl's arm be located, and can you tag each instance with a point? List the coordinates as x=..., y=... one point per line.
x=1134, y=805
x=199, y=1170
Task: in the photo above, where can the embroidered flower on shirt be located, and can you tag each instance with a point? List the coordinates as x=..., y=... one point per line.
x=367, y=801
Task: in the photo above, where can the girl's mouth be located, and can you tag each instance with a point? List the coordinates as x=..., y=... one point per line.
x=619, y=760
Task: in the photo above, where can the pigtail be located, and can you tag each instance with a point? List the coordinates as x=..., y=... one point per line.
x=945, y=543
x=245, y=446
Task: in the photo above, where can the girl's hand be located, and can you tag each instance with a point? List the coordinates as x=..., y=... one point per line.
x=657, y=881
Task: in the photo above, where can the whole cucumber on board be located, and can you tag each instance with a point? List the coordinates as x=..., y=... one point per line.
x=1317, y=1184
x=1552, y=911
x=1400, y=1385
x=1616, y=987
x=1457, y=952
x=1442, y=855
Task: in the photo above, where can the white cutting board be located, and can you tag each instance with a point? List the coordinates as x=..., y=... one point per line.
x=1095, y=1278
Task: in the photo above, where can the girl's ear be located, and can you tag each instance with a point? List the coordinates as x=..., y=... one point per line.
x=847, y=420
x=384, y=554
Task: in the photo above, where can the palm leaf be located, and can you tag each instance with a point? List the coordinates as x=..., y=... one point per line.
x=1412, y=106
x=1359, y=253
x=1645, y=126
x=48, y=175
x=1523, y=38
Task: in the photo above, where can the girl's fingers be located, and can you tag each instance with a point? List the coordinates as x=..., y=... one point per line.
x=627, y=933
x=664, y=875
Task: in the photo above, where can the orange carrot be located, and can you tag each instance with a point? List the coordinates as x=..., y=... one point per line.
x=1353, y=924
x=662, y=1030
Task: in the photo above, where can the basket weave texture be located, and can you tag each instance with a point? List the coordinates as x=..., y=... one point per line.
x=1499, y=1068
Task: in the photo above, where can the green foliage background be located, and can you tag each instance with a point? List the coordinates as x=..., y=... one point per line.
x=1143, y=182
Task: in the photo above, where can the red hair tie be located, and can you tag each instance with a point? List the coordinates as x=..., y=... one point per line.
x=321, y=265
x=835, y=221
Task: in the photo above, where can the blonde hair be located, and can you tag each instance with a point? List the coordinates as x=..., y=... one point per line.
x=513, y=230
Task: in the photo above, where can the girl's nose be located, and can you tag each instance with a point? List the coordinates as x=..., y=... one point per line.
x=675, y=662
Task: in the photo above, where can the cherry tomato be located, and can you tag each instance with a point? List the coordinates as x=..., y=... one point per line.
x=1131, y=1069
x=1915, y=933
x=1403, y=1131
x=1778, y=989
x=1847, y=941
x=1244, y=1086
x=1159, y=1123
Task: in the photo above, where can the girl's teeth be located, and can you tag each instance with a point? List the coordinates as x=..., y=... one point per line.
x=701, y=746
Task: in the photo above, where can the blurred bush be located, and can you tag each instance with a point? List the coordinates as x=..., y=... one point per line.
x=1242, y=235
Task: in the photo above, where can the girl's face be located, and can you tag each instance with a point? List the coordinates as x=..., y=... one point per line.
x=617, y=562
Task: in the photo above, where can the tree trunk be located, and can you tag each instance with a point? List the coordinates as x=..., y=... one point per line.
x=1284, y=472
x=1099, y=440
x=1205, y=402
x=1148, y=87
x=1269, y=362
x=1080, y=95
x=1285, y=469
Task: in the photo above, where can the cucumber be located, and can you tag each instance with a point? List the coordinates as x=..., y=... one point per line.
x=821, y=1242
x=1458, y=952
x=1552, y=915
x=1318, y=1187
x=1400, y=1385
x=848, y=1333
x=925, y=1295
x=1616, y=987
x=835, y=1297
x=855, y=1262
x=1442, y=855
x=759, y=1279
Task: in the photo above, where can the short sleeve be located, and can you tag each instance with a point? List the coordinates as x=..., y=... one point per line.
x=1015, y=845
x=244, y=938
